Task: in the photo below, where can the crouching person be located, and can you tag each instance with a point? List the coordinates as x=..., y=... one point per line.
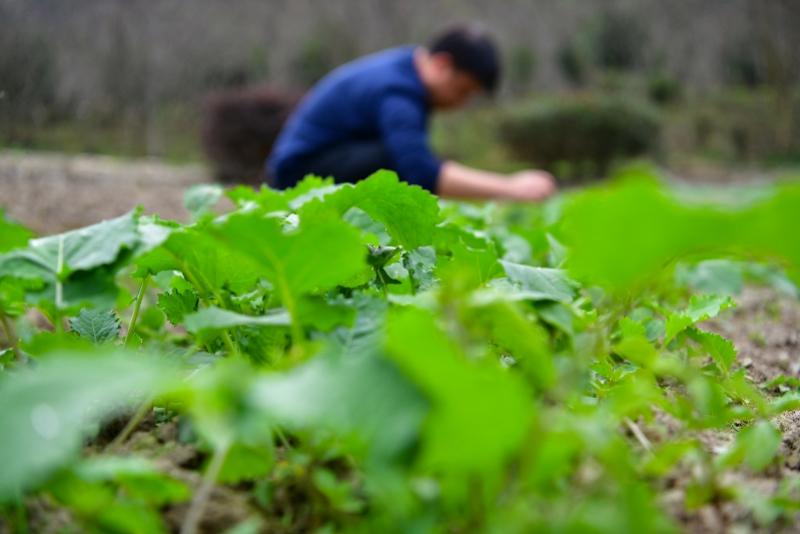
x=373, y=114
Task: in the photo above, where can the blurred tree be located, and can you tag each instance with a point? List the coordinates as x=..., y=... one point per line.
x=522, y=67
x=663, y=89
x=124, y=72
x=317, y=56
x=619, y=41
x=572, y=64
x=775, y=26
x=28, y=79
x=740, y=64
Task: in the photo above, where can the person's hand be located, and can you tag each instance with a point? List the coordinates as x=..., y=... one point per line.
x=531, y=185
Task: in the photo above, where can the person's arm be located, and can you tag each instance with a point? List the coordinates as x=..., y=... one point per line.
x=459, y=181
x=402, y=126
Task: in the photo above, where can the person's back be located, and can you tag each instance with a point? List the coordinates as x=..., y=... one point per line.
x=373, y=114
x=374, y=109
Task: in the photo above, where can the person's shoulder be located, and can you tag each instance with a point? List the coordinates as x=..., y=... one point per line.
x=390, y=65
x=395, y=56
x=382, y=74
x=396, y=75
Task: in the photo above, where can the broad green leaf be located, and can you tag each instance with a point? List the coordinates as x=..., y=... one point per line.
x=361, y=220
x=176, y=304
x=667, y=455
x=524, y=282
x=201, y=198
x=540, y=283
x=558, y=315
x=12, y=235
x=309, y=188
x=218, y=319
x=246, y=462
x=514, y=247
x=421, y=266
x=720, y=277
x=628, y=232
x=409, y=213
x=95, y=325
x=361, y=397
x=638, y=350
x=709, y=399
x=217, y=399
x=202, y=261
x=139, y=476
x=46, y=342
x=318, y=313
x=701, y=308
x=526, y=341
x=479, y=413
x=109, y=494
x=771, y=276
x=766, y=225
x=322, y=253
x=758, y=444
x=12, y=294
x=476, y=261
x=55, y=257
x=366, y=334
x=54, y=403
x=76, y=267
x=721, y=350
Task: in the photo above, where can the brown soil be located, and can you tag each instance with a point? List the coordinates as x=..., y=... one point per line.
x=51, y=193
x=765, y=327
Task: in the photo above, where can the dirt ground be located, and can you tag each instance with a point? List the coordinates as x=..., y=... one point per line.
x=50, y=193
x=765, y=328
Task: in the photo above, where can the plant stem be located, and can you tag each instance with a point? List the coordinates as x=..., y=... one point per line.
x=21, y=517
x=136, y=307
x=295, y=329
x=11, y=336
x=639, y=435
x=228, y=340
x=204, y=289
x=282, y=437
x=195, y=513
x=59, y=287
x=133, y=422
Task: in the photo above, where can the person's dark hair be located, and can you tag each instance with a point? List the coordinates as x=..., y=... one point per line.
x=473, y=51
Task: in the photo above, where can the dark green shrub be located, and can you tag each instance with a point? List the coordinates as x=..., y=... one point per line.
x=741, y=66
x=580, y=137
x=239, y=129
x=573, y=64
x=663, y=89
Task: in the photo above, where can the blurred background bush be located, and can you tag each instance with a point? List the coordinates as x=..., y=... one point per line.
x=587, y=83
x=580, y=137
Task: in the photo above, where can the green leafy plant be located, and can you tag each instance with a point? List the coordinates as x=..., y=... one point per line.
x=365, y=357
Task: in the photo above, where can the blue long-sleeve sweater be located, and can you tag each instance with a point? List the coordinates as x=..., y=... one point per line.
x=377, y=97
